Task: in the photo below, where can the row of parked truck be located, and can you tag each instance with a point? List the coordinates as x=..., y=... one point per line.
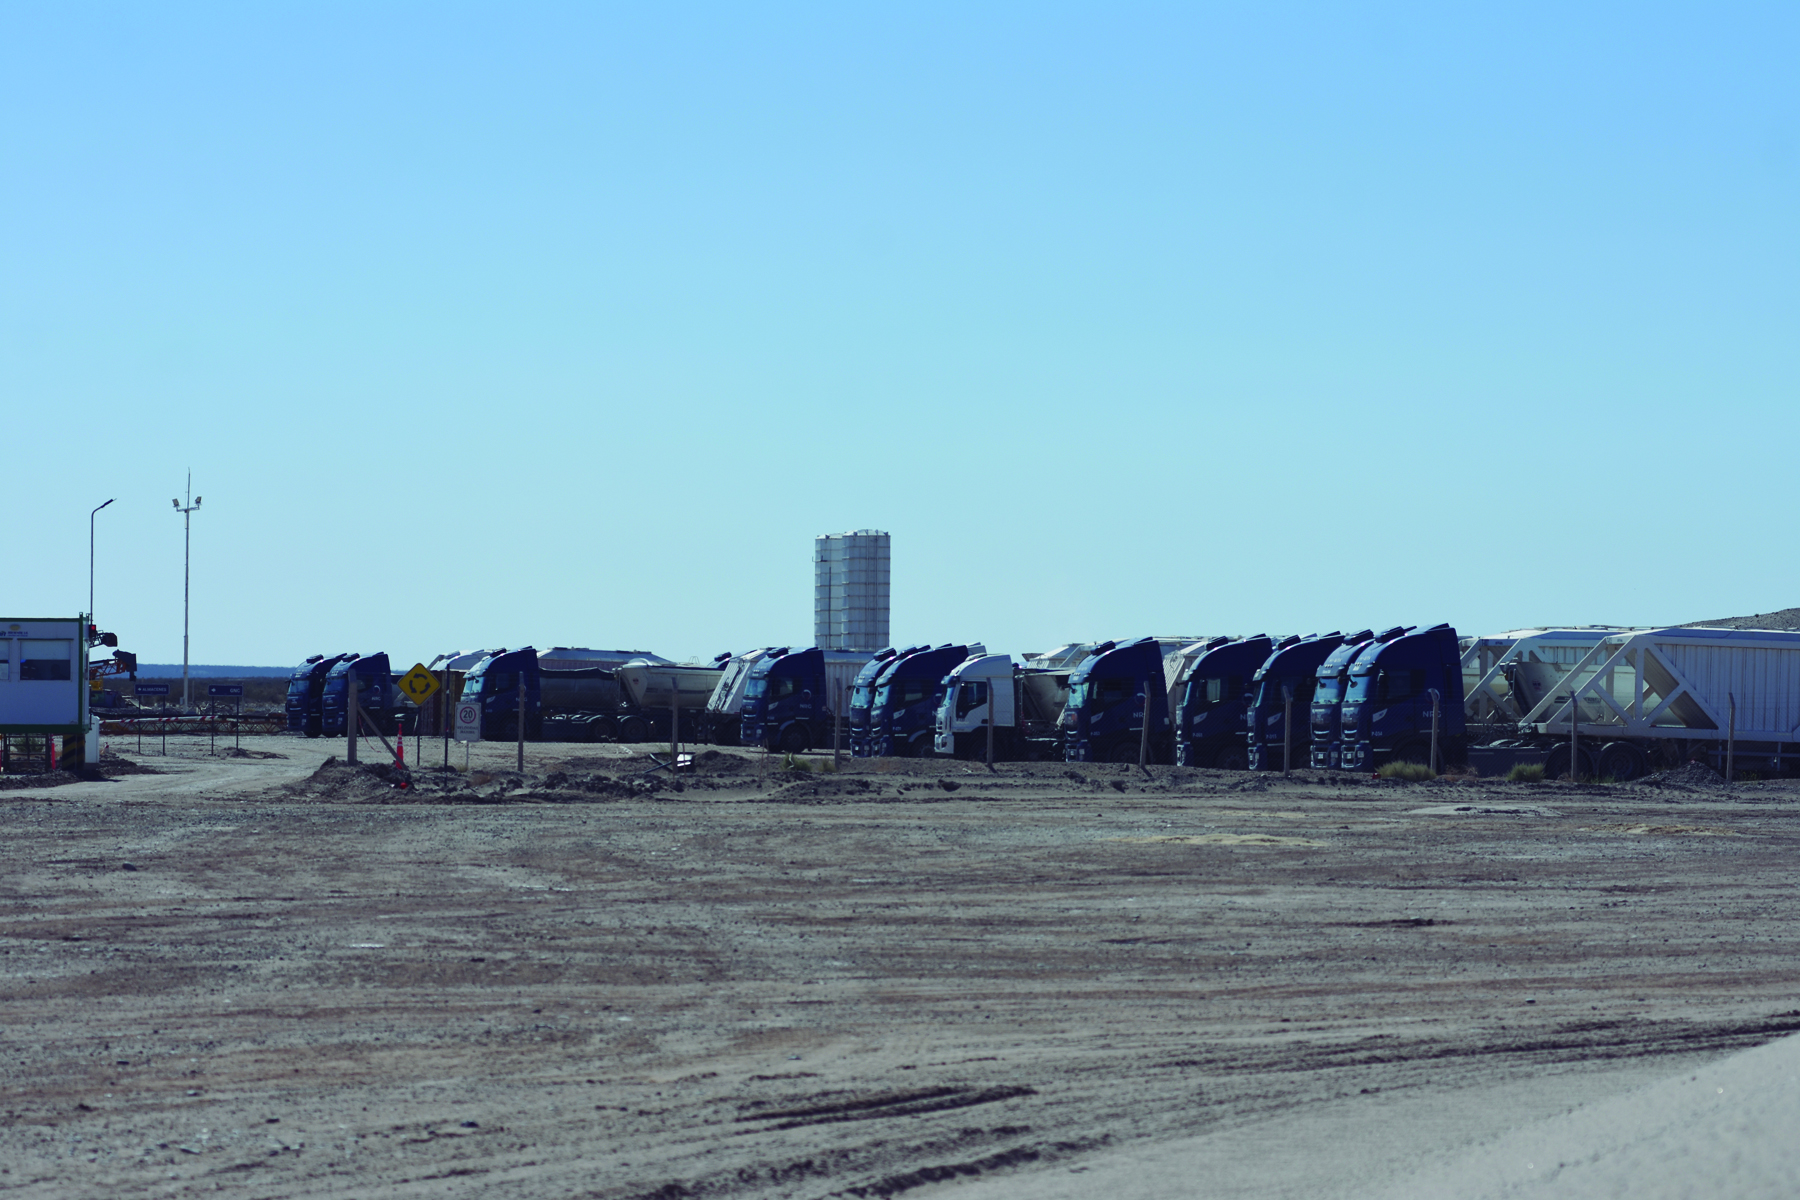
x=1635, y=699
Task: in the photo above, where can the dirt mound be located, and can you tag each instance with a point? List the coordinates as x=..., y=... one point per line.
x=1687, y=775
x=1785, y=618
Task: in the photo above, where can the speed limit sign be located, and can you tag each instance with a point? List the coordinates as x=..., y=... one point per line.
x=468, y=721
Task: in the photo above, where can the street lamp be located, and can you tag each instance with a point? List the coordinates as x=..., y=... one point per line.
x=91, y=561
x=187, y=543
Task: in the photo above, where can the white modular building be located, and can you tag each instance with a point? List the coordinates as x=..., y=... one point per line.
x=850, y=590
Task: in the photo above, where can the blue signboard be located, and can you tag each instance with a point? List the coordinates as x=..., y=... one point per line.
x=151, y=689
x=224, y=689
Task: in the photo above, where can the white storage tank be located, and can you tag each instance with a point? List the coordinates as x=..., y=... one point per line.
x=850, y=590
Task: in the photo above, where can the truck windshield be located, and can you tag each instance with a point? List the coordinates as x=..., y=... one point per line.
x=862, y=696
x=1078, y=694
x=1330, y=691
x=757, y=688
x=297, y=689
x=472, y=685
x=1361, y=686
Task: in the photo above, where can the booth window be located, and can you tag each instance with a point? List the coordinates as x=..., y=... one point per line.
x=5, y=661
x=45, y=659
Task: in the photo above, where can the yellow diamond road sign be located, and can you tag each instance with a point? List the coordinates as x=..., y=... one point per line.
x=419, y=684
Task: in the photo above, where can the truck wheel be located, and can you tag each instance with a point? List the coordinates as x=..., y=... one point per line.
x=1556, y=764
x=634, y=729
x=793, y=740
x=1621, y=761
x=1123, y=752
x=922, y=747
x=1231, y=758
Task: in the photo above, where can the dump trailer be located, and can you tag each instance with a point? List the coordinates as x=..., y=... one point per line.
x=1394, y=687
x=904, y=711
x=727, y=699
x=862, y=698
x=654, y=691
x=376, y=693
x=1210, y=705
x=306, y=688
x=1025, y=703
x=1292, y=668
x=1652, y=699
x=579, y=704
x=788, y=701
x=1112, y=693
x=1328, y=694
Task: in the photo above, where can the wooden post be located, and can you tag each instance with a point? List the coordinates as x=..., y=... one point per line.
x=1731, y=738
x=992, y=701
x=350, y=711
x=521, y=678
x=444, y=712
x=837, y=730
x=1287, y=727
x=1574, y=732
x=674, y=719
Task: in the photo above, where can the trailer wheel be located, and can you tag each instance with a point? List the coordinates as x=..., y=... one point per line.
x=634, y=729
x=1556, y=764
x=1621, y=762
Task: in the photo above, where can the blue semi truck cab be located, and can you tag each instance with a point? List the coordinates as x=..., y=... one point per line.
x=1293, y=667
x=788, y=703
x=903, y=714
x=379, y=698
x=306, y=687
x=1209, y=712
x=495, y=682
x=1386, y=714
x=862, y=698
x=1111, y=694
x=1328, y=695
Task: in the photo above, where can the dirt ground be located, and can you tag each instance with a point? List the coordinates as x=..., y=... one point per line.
x=268, y=974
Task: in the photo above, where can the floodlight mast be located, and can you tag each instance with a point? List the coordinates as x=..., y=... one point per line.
x=97, y=508
x=187, y=544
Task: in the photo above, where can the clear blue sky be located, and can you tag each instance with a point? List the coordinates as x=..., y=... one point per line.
x=482, y=325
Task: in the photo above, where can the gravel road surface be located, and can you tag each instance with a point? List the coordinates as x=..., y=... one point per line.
x=283, y=977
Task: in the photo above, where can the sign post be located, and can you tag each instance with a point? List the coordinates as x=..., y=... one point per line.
x=468, y=725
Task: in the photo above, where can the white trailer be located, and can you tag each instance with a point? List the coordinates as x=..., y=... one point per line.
x=727, y=699
x=1660, y=697
x=1505, y=676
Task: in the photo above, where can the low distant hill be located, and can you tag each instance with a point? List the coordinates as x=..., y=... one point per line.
x=208, y=671
x=1787, y=618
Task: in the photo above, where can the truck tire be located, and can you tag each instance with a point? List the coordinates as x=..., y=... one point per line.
x=793, y=740
x=1413, y=752
x=1125, y=751
x=922, y=748
x=1621, y=762
x=1556, y=763
x=634, y=729
x=1231, y=758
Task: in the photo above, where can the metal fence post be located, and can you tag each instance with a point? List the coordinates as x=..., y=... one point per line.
x=352, y=710
x=1143, y=732
x=1731, y=738
x=1436, y=696
x=521, y=719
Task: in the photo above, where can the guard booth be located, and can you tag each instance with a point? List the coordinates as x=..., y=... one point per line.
x=43, y=692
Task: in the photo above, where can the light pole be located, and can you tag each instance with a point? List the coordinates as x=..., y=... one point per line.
x=91, y=560
x=187, y=543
